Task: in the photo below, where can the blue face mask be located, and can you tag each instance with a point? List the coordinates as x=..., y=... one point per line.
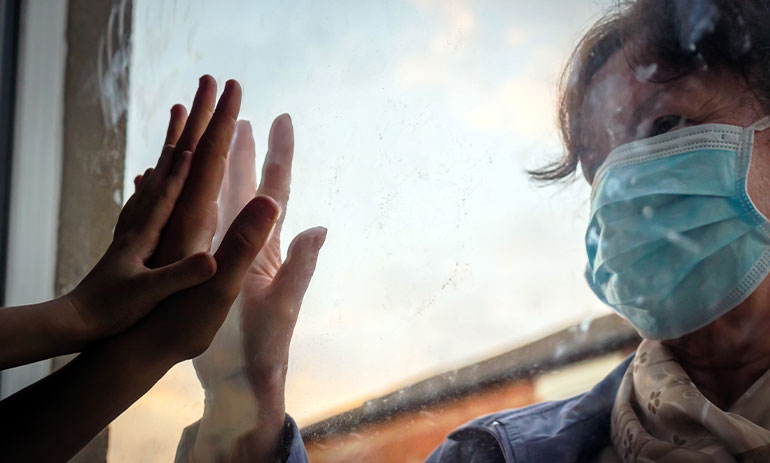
x=674, y=241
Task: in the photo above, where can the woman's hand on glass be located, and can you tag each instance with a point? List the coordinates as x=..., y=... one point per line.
x=248, y=358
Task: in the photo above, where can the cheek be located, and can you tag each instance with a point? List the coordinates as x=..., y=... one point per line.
x=759, y=179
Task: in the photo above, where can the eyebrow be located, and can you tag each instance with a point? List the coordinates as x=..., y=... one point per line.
x=645, y=106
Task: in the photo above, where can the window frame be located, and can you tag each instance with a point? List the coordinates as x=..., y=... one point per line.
x=35, y=174
x=9, y=44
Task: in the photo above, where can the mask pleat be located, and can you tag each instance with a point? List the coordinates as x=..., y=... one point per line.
x=623, y=227
x=667, y=266
x=701, y=284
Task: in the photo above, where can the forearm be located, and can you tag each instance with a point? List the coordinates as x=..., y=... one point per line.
x=55, y=417
x=39, y=331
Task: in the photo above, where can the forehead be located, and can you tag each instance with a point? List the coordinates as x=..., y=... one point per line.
x=614, y=84
x=612, y=97
x=623, y=97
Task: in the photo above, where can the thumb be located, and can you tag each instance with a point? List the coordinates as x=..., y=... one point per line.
x=293, y=278
x=160, y=283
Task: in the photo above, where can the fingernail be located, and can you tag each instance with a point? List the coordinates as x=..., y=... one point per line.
x=244, y=125
x=320, y=237
x=229, y=85
x=224, y=99
x=280, y=120
x=284, y=118
x=168, y=152
x=205, y=267
x=267, y=208
x=181, y=161
x=206, y=79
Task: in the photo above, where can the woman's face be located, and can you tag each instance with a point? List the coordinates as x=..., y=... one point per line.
x=622, y=106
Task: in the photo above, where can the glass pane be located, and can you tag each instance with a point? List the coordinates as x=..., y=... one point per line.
x=415, y=122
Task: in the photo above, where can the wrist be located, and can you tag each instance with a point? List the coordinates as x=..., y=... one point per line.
x=269, y=388
x=230, y=402
x=75, y=317
x=140, y=347
x=270, y=444
x=40, y=331
x=239, y=411
x=237, y=403
x=230, y=410
x=70, y=324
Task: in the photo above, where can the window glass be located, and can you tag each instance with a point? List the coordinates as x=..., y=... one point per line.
x=415, y=122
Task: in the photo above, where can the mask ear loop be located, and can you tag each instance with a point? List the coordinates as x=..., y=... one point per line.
x=761, y=124
x=744, y=164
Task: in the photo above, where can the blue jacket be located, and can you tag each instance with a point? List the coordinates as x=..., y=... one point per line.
x=564, y=431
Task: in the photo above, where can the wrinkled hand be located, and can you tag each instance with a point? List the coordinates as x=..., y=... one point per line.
x=249, y=354
x=273, y=290
x=121, y=288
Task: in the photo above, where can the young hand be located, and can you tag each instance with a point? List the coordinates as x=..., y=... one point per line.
x=184, y=324
x=121, y=288
x=108, y=377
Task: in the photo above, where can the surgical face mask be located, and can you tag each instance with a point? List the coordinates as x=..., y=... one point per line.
x=674, y=241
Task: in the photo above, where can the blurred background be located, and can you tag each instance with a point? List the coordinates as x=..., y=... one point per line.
x=448, y=278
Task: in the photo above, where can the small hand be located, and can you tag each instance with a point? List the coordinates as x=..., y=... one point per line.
x=112, y=374
x=184, y=324
x=121, y=288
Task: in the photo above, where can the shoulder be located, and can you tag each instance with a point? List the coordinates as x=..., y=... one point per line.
x=564, y=430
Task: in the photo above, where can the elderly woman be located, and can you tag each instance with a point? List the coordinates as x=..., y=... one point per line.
x=663, y=108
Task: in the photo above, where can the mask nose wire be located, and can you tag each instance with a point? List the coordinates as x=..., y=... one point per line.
x=748, y=151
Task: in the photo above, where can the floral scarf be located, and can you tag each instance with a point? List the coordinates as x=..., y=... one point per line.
x=660, y=416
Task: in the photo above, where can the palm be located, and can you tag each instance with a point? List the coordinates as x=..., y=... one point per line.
x=264, y=268
x=257, y=305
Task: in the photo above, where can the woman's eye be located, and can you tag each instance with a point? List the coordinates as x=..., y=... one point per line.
x=665, y=124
